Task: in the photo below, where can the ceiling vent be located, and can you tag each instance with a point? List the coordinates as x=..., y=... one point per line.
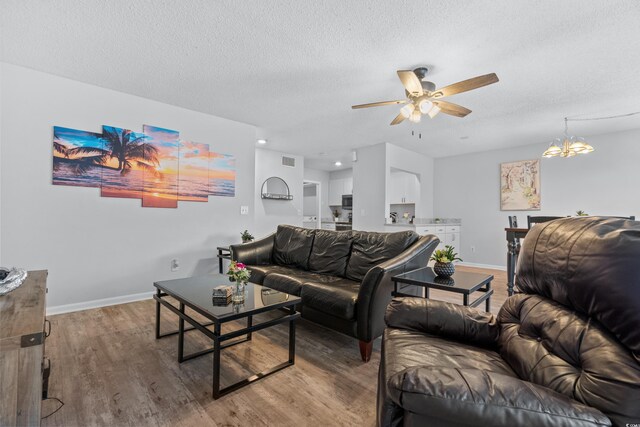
x=289, y=161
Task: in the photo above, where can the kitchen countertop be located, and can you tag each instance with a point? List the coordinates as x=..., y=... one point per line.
x=336, y=222
x=426, y=222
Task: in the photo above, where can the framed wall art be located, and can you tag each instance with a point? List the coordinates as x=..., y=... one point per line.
x=520, y=185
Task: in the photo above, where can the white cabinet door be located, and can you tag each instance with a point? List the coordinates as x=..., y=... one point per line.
x=396, y=188
x=453, y=239
x=347, y=186
x=336, y=187
x=328, y=226
x=411, y=188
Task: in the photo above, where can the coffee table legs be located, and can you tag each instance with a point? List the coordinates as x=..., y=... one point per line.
x=181, y=335
x=219, y=338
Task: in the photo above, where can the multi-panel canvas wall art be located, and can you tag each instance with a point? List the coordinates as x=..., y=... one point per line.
x=193, y=184
x=122, y=172
x=160, y=188
x=520, y=186
x=222, y=174
x=78, y=157
x=154, y=166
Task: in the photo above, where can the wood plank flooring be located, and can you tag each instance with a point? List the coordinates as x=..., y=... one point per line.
x=109, y=370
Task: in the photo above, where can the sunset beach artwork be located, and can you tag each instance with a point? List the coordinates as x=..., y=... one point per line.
x=129, y=155
x=78, y=157
x=193, y=173
x=160, y=187
x=154, y=165
x=222, y=174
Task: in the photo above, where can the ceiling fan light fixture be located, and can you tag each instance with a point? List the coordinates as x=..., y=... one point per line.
x=425, y=106
x=434, y=111
x=416, y=116
x=407, y=110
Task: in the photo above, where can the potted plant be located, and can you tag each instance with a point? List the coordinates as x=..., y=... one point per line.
x=581, y=213
x=444, y=261
x=246, y=237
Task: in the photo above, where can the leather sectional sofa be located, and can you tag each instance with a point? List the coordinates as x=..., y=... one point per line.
x=565, y=351
x=343, y=277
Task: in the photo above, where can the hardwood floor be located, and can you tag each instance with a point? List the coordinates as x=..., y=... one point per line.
x=109, y=369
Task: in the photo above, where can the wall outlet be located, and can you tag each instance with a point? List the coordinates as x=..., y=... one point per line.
x=175, y=264
x=244, y=210
x=473, y=248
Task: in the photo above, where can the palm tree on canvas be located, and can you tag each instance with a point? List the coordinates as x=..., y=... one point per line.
x=128, y=147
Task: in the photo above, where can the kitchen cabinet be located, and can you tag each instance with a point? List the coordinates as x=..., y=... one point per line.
x=329, y=226
x=404, y=187
x=339, y=187
x=448, y=234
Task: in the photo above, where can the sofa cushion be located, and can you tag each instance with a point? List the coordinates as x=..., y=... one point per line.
x=591, y=265
x=471, y=395
x=370, y=249
x=337, y=298
x=292, y=246
x=553, y=346
x=292, y=281
x=259, y=272
x=405, y=349
x=330, y=252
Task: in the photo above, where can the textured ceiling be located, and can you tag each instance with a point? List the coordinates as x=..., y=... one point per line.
x=294, y=68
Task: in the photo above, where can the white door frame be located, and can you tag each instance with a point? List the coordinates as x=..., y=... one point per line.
x=318, y=185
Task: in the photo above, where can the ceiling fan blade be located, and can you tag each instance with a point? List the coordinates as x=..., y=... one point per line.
x=399, y=118
x=411, y=82
x=465, y=85
x=452, y=109
x=378, y=104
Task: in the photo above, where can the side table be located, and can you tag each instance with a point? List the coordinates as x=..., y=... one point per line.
x=462, y=282
x=223, y=253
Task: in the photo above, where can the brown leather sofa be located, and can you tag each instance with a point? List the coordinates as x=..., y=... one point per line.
x=343, y=277
x=563, y=352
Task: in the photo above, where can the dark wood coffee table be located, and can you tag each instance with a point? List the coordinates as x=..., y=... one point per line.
x=462, y=282
x=195, y=293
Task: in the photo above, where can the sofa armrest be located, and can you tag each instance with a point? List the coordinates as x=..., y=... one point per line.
x=258, y=252
x=478, y=397
x=376, y=287
x=444, y=319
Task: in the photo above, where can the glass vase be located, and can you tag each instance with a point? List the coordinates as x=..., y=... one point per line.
x=238, y=292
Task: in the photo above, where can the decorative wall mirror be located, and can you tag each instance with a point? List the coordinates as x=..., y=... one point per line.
x=275, y=188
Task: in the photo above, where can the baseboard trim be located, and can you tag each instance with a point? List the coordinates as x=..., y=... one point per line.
x=97, y=303
x=493, y=267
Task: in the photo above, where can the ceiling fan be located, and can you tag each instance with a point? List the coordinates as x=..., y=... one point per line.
x=423, y=98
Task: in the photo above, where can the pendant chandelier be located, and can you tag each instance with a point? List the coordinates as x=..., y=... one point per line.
x=568, y=145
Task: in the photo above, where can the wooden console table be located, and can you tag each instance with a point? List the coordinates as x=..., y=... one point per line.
x=22, y=316
x=513, y=249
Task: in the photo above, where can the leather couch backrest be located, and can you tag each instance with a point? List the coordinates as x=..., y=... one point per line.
x=591, y=265
x=330, y=252
x=552, y=345
x=370, y=249
x=292, y=246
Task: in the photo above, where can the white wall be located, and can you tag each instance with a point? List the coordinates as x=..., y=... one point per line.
x=323, y=178
x=419, y=164
x=341, y=174
x=369, y=188
x=604, y=182
x=95, y=247
x=270, y=213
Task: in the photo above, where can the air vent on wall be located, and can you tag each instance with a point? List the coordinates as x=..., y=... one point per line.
x=288, y=161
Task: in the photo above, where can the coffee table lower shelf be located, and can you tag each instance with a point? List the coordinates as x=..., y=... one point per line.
x=222, y=341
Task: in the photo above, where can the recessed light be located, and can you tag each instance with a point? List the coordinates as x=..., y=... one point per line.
x=464, y=137
x=338, y=163
x=262, y=141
